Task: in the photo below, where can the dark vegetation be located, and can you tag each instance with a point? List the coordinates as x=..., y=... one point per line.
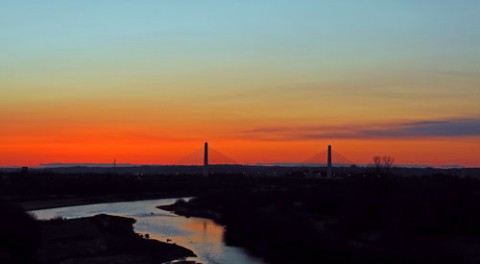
x=357, y=220
x=142, y=182
x=130, y=183
x=19, y=235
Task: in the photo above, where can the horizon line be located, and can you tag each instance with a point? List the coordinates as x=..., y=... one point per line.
x=57, y=165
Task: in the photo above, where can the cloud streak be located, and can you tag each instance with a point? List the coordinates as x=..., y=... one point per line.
x=417, y=129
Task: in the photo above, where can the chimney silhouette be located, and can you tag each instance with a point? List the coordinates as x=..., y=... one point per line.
x=329, y=162
x=205, y=160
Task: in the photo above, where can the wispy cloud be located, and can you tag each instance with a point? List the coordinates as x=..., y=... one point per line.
x=417, y=129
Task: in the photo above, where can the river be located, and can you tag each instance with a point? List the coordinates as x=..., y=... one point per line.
x=203, y=236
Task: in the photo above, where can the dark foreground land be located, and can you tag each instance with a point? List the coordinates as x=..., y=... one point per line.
x=56, y=187
x=102, y=239
x=91, y=240
x=376, y=220
x=284, y=215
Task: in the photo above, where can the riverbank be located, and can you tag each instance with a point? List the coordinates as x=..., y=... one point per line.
x=396, y=220
x=183, y=208
x=102, y=239
x=202, y=236
x=56, y=202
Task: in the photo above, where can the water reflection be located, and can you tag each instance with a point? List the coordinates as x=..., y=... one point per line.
x=202, y=236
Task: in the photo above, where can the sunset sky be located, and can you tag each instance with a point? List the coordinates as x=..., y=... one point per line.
x=263, y=81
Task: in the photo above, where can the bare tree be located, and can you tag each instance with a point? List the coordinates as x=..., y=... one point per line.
x=377, y=162
x=387, y=163
x=383, y=164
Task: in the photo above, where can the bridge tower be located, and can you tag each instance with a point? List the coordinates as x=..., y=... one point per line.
x=205, y=160
x=329, y=162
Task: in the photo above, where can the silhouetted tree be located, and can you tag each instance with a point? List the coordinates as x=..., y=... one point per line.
x=387, y=163
x=19, y=235
x=383, y=164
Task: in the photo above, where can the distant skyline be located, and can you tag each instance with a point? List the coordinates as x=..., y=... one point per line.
x=148, y=82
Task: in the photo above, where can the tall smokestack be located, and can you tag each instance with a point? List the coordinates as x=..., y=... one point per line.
x=329, y=162
x=205, y=160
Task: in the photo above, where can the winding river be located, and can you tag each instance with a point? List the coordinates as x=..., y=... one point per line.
x=203, y=236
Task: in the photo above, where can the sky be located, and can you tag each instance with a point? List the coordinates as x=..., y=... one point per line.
x=262, y=81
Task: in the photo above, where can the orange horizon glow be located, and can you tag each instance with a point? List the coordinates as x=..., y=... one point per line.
x=140, y=132
x=405, y=152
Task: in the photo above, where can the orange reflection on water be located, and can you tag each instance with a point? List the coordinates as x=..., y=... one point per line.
x=210, y=231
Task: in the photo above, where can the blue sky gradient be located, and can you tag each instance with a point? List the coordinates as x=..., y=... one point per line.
x=183, y=71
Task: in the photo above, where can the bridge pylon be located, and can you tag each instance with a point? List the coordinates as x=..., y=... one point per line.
x=205, y=160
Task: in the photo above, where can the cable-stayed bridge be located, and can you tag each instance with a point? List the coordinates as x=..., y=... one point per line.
x=216, y=157
x=321, y=158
